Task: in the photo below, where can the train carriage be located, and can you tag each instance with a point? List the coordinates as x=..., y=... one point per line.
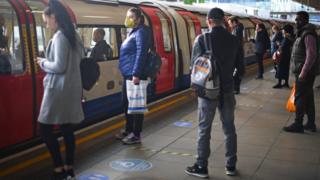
x=174, y=28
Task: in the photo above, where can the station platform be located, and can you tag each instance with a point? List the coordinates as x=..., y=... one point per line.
x=169, y=140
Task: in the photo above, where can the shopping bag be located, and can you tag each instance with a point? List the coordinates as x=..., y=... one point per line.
x=137, y=97
x=290, y=104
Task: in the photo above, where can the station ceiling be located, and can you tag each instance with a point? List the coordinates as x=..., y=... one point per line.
x=312, y=3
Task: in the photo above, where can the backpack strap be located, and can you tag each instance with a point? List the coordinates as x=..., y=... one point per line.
x=207, y=43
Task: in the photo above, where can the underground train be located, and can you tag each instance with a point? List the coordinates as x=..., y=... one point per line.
x=174, y=28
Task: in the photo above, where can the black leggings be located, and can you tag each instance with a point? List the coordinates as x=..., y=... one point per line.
x=134, y=121
x=50, y=139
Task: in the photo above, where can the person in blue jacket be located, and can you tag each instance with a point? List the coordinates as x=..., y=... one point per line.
x=133, y=56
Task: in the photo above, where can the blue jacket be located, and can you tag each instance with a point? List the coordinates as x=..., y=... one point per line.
x=133, y=52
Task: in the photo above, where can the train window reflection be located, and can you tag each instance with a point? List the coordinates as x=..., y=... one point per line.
x=165, y=32
x=11, y=59
x=43, y=34
x=100, y=43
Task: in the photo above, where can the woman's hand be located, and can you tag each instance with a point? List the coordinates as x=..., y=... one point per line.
x=135, y=80
x=38, y=60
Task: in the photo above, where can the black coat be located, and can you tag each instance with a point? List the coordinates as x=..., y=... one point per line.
x=262, y=42
x=227, y=49
x=284, y=64
x=101, y=51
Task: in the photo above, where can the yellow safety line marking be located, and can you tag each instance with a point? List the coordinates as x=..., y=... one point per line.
x=46, y=155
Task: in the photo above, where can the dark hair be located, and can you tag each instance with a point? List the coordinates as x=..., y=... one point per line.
x=261, y=26
x=138, y=14
x=101, y=31
x=304, y=15
x=215, y=14
x=234, y=19
x=288, y=29
x=63, y=19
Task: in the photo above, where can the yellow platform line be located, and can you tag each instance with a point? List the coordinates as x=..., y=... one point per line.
x=46, y=155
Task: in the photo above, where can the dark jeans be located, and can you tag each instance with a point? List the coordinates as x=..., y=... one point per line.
x=304, y=100
x=259, y=59
x=134, y=121
x=50, y=139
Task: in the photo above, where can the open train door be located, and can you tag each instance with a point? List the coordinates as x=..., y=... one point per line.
x=163, y=41
x=17, y=95
x=193, y=25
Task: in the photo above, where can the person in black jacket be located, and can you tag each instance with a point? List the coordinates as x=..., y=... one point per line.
x=237, y=30
x=262, y=44
x=276, y=39
x=282, y=72
x=226, y=49
x=102, y=50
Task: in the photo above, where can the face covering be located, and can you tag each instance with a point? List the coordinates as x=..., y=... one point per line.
x=129, y=22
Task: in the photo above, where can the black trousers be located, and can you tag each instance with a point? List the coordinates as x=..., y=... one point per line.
x=259, y=59
x=50, y=139
x=237, y=82
x=304, y=100
x=134, y=122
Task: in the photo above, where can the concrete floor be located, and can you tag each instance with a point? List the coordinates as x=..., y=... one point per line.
x=265, y=152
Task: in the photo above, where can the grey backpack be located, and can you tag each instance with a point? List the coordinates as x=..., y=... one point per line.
x=205, y=78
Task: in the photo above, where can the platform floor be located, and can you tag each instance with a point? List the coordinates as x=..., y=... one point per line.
x=265, y=152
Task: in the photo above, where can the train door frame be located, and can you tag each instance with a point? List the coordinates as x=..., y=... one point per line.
x=163, y=84
x=23, y=94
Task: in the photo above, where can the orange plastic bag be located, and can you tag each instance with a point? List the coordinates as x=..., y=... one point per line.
x=290, y=104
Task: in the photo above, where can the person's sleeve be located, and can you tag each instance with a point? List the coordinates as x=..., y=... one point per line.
x=197, y=49
x=311, y=54
x=59, y=64
x=142, y=51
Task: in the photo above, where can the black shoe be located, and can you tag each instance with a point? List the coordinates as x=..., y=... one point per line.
x=195, y=170
x=294, y=128
x=285, y=85
x=310, y=127
x=231, y=171
x=59, y=175
x=277, y=86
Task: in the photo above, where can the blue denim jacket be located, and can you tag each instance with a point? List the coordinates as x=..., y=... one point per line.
x=133, y=52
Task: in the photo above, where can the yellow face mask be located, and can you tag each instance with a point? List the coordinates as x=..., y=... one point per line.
x=129, y=22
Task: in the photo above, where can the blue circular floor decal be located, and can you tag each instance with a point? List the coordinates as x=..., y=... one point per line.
x=183, y=124
x=131, y=165
x=93, y=176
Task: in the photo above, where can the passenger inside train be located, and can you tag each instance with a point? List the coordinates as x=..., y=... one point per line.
x=102, y=50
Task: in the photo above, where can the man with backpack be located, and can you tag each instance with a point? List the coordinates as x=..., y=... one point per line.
x=305, y=67
x=226, y=49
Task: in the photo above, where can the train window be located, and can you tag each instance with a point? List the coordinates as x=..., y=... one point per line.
x=124, y=33
x=11, y=59
x=43, y=34
x=100, y=43
x=165, y=32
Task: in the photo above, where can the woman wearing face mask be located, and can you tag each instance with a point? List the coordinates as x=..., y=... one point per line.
x=61, y=103
x=133, y=55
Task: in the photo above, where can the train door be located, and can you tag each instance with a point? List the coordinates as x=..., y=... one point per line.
x=162, y=35
x=193, y=26
x=16, y=77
